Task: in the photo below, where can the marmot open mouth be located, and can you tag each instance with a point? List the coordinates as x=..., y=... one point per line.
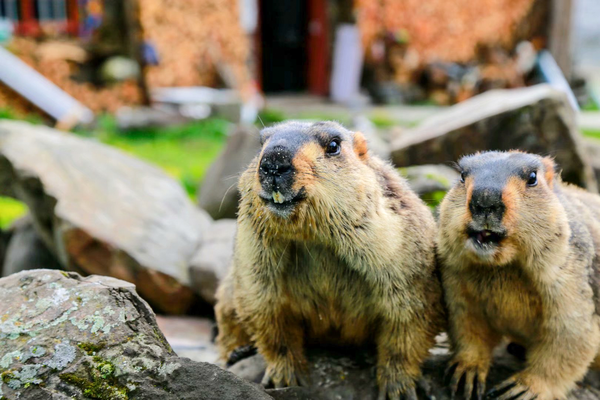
x=282, y=205
x=485, y=237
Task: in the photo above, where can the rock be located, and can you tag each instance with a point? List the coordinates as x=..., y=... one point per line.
x=592, y=149
x=251, y=369
x=4, y=240
x=26, y=250
x=205, y=220
x=102, y=211
x=537, y=119
x=63, y=336
x=190, y=337
x=218, y=193
x=336, y=376
x=211, y=262
x=118, y=68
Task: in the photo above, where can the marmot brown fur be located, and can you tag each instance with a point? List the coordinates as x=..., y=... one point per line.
x=520, y=259
x=332, y=247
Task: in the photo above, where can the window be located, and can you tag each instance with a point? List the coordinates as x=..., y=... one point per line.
x=9, y=9
x=50, y=10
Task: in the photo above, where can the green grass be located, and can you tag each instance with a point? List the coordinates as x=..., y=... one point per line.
x=591, y=133
x=382, y=120
x=10, y=210
x=184, y=152
x=7, y=113
x=270, y=116
x=186, y=160
x=591, y=105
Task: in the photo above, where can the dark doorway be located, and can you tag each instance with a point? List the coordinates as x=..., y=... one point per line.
x=283, y=40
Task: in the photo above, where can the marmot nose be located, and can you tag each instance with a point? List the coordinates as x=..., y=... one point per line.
x=276, y=162
x=487, y=201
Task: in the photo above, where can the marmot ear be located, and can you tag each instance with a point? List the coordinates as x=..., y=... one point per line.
x=360, y=146
x=549, y=170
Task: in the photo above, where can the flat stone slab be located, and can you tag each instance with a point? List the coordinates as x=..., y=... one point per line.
x=101, y=211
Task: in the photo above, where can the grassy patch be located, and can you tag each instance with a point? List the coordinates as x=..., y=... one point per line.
x=185, y=152
x=382, y=120
x=591, y=133
x=270, y=116
x=10, y=210
x=7, y=113
x=434, y=199
x=591, y=105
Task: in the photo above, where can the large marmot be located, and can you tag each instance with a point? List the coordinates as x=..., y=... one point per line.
x=520, y=254
x=332, y=247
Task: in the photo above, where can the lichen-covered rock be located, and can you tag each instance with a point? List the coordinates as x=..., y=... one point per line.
x=102, y=211
x=63, y=336
x=537, y=119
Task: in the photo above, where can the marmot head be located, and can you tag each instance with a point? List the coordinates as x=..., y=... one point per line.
x=306, y=171
x=500, y=205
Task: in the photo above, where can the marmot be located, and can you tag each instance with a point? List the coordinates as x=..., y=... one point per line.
x=332, y=247
x=520, y=260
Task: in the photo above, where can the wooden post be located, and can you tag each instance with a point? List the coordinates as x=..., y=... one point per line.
x=28, y=24
x=318, y=47
x=559, y=34
x=73, y=17
x=135, y=40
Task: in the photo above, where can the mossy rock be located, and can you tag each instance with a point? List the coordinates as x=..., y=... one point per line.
x=95, y=338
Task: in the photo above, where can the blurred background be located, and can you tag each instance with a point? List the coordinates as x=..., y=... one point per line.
x=157, y=105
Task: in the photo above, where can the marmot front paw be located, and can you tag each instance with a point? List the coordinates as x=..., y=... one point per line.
x=474, y=377
x=285, y=373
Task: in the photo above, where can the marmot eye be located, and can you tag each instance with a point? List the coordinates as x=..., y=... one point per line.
x=333, y=148
x=532, y=181
x=463, y=175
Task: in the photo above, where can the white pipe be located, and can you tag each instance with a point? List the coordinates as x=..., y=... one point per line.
x=34, y=87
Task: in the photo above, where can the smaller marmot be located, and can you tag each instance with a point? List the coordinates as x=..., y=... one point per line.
x=520, y=260
x=332, y=247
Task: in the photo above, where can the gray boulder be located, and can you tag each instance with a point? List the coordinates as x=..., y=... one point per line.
x=592, y=149
x=537, y=119
x=210, y=264
x=4, y=239
x=26, y=250
x=218, y=193
x=64, y=337
x=102, y=211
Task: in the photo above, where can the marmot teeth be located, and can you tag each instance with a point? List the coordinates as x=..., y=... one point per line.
x=278, y=197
